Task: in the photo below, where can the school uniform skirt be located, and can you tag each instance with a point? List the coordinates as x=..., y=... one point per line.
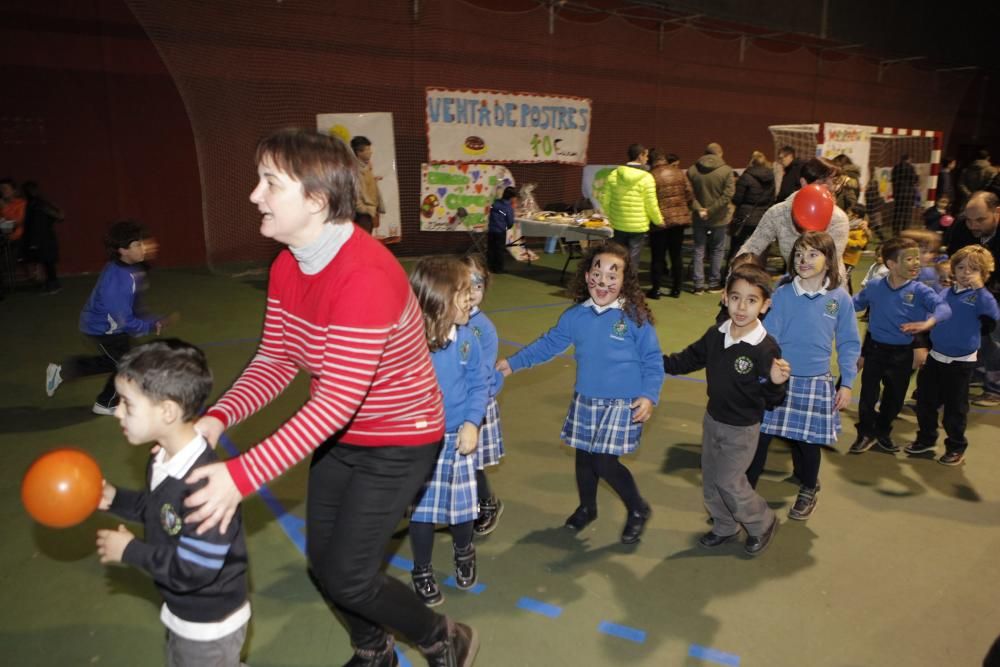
x=450, y=495
x=807, y=414
x=601, y=426
x=490, y=448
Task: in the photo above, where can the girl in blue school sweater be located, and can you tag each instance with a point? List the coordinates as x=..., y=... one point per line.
x=444, y=290
x=619, y=371
x=810, y=312
x=944, y=379
x=490, y=449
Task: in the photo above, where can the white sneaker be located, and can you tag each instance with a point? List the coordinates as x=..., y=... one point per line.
x=99, y=409
x=53, y=378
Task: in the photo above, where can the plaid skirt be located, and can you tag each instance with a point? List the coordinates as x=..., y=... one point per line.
x=490, y=448
x=450, y=495
x=601, y=426
x=807, y=414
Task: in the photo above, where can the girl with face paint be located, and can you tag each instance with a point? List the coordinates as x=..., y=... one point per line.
x=619, y=371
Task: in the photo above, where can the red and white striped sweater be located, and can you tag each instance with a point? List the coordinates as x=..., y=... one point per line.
x=356, y=327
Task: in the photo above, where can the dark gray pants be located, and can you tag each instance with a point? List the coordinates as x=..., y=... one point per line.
x=726, y=453
x=224, y=652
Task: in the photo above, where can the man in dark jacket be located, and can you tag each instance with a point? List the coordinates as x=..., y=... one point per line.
x=712, y=181
x=754, y=195
x=979, y=226
x=904, y=194
x=792, y=167
x=976, y=176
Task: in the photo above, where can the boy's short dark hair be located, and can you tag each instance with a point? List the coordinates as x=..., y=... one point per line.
x=634, y=151
x=509, y=193
x=896, y=245
x=786, y=150
x=359, y=143
x=170, y=370
x=121, y=235
x=754, y=275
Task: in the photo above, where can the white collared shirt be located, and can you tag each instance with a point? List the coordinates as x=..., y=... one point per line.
x=802, y=291
x=589, y=303
x=176, y=466
x=752, y=337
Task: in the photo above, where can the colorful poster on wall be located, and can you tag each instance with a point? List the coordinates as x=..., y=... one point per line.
x=594, y=178
x=377, y=128
x=457, y=197
x=854, y=141
x=495, y=126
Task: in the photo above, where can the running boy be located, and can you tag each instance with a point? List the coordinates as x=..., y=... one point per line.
x=746, y=376
x=202, y=578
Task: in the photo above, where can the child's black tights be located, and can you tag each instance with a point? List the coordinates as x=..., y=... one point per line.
x=483, y=486
x=422, y=540
x=592, y=467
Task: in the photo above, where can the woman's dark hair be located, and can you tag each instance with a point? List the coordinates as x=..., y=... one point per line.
x=121, y=235
x=324, y=165
x=509, y=193
x=822, y=242
x=819, y=169
x=436, y=281
x=634, y=301
x=169, y=370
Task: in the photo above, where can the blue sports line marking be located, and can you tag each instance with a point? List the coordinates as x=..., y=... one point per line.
x=400, y=562
x=403, y=662
x=293, y=526
x=539, y=607
x=712, y=655
x=476, y=590
x=622, y=631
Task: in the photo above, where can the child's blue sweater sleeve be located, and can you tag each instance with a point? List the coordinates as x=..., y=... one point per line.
x=848, y=344
x=986, y=306
x=119, y=298
x=477, y=384
x=652, y=362
x=933, y=303
x=546, y=346
x=861, y=300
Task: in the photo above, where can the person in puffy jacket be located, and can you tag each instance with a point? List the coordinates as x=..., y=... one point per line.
x=754, y=195
x=674, y=196
x=712, y=180
x=629, y=201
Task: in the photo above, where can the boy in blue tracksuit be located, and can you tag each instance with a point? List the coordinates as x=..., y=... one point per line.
x=944, y=379
x=111, y=315
x=501, y=219
x=900, y=307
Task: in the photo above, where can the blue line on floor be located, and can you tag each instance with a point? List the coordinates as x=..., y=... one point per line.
x=401, y=563
x=539, y=607
x=293, y=526
x=622, y=631
x=712, y=655
x=477, y=589
x=403, y=662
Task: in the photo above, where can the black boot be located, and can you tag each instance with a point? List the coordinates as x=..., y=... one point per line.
x=426, y=586
x=582, y=516
x=457, y=648
x=635, y=523
x=489, y=516
x=375, y=657
x=465, y=567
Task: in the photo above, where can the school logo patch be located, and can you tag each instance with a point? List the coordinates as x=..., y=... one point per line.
x=477, y=332
x=170, y=519
x=463, y=350
x=908, y=298
x=970, y=299
x=619, y=329
x=832, y=307
x=743, y=364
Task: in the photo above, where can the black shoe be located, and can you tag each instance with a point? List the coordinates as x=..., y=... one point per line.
x=579, y=519
x=756, y=544
x=465, y=568
x=697, y=291
x=675, y=293
x=489, y=516
x=380, y=657
x=710, y=540
x=653, y=294
x=635, y=523
x=886, y=444
x=951, y=458
x=862, y=444
x=426, y=586
x=804, y=505
x=917, y=447
x=714, y=289
x=458, y=648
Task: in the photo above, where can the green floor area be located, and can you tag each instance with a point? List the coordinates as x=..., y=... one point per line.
x=898, y=566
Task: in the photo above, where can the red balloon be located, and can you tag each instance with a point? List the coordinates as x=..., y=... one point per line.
x=947, y=220
x=62, y=488
x=812, y=208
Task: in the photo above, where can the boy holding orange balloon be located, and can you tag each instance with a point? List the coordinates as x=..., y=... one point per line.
x=202, y=578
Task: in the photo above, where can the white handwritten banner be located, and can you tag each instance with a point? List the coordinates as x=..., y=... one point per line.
x=496, y=126
x=456, y=197
x=854, y=141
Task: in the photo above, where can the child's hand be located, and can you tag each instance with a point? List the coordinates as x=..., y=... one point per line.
x=642, y=410
x=861, y=363
x=168, y=321
x=976, y=282
x=504, y=367
x=780, y=371
x=919, y=357
x=107, y=495
x=918, y=327
x=111, y=544
x=468, y=438
x=842, y=399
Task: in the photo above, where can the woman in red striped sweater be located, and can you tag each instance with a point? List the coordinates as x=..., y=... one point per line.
x=339, y=307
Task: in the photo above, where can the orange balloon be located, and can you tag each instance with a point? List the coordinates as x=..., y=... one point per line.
x=812, y=208
x=62, y=488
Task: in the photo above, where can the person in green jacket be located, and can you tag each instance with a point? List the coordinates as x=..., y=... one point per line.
x=629, y=201
x=714, y=186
